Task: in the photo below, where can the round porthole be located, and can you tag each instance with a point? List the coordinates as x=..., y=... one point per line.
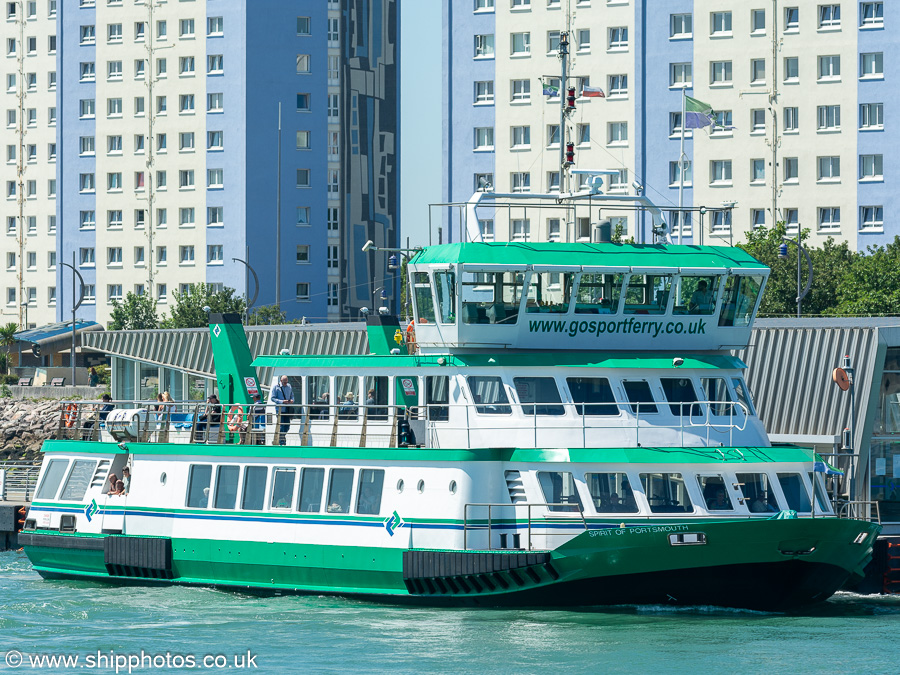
x=400, y=485
x=421, y=486
x=452, y=487
x=162, y=478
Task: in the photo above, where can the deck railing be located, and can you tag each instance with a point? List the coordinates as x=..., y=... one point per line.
x=858, y=509
x=18, y=481
x=566, y=513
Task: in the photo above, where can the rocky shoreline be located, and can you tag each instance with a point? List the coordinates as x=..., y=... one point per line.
x=25, y=425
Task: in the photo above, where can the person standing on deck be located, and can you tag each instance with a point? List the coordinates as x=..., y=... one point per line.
x=281, y=395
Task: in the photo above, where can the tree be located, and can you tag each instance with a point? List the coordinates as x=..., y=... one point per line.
x=8, y=339
x=135, y=313
x=872, y=284
x=189, y=313
x=267, y=315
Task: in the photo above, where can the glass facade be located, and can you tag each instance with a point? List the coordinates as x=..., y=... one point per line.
x=884, y=451
x=135, y=380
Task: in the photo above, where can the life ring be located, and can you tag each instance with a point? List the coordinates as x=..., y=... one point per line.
x=70, y=415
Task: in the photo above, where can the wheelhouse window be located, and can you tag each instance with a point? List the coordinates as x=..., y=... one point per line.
x=758, y=493
x=550, y=292
x=226, y=487
x=340, y=484
x=541, y=393
x=489, y=395
x=743, y=394
x=741, y=292
x=422, y=294
x=368, y=499
x=717, y=396
x=599, y=293
x=715, y=493
x=254, y=492
x=647, y=293
x=697, y=295
x=611, y=492
x=198, y=485
x=437, y=397
x=681, y=395
x=640, y=396
x=666, y=493
x=795, y=491
x=445, y=285
x=592, y=396
x=818, y=483
x=559, y=491
x=492, y=297
x=282, y=488
x=56, y=469
x=311, y=482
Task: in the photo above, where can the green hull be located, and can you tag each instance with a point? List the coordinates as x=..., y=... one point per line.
x=763, y=564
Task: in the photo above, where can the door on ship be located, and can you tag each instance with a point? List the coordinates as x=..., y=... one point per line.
x=113, y=519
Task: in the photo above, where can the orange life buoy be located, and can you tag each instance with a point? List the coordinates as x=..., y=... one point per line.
x=70, y=414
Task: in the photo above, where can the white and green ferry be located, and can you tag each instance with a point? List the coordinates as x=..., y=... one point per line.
x=568, y=427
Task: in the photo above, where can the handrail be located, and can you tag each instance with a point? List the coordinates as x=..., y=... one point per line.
x=852, y=509
x=547, y=518
x=20, y=479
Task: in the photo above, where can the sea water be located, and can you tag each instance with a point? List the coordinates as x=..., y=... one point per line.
x=171, y=628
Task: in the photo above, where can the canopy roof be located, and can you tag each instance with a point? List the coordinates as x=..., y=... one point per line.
x=53, y=332
x=522, y=254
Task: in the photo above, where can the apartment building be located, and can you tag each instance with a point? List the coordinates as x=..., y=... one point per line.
x=797, y=87
x=193, y=136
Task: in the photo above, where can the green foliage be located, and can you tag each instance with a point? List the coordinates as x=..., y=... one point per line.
x=9, y=379
x=135, y=313
x=5, y=391
x=8, y=339
x=103, y=374
x=189, y=313
x=268, y=315
x=872, y=284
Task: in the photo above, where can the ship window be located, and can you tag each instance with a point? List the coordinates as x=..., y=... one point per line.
x=79, y=478
x=595, y=390
x=611, y=492
x=549, y=293
x=489, y=395
x=346, y=388
x=599, y=293
x=377, y=397
x=758, y=494
x=318, y=396
x=680, y=391
x=666, y=493
x=340, y=485
x=541, y=391
x=254, y=496
x=740, y=388
x=226, y=487
x=198, y=485
x=640, y=397
x=741, y=292
x=311, y=481
x=559, y=490
x=647, y=293
x=424, y=301
x=368, y=498
x=714, y=492
x=445, y=285
x=716, y=394
x=53, y=476
x=697, y=295
x=821, y=494
x=282, y=488
x=795, y=491
x=492, y=297
x=437, y=397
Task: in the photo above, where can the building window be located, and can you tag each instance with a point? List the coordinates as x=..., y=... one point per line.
x=333, y=185
x=114, y=33
x=114, y=181
x=87, y=34
x=332, y=295
x=87, y=220
x=675, y=174
x=757, y=22
x=214, y=254
x=303, y=63
x=114, y=219
x=720, y=73
x=186, y=216
x=303, y=140
x=791, y=20
x=114, y=292
x=829, y=117
x=830, y=16
x=618, y=86
x=871, y=167
x=521, y=229
x=791, y=119
x=520, y=181
x=215, y=64
x=303, y=291
x=829, y=68
x=303, y=253
x=520, y=44
x=186, y=179
x=723, y=124
x=484, y=92
x=791, y=170
x=791, y=70
x=583, y=36
x=484, y=138
x=720, y=24
x=871, y=66
x=520, y=137
x=484, y=46
x=186, y=104
x=757, y=218
x=214, y=140
x=871, y=116
x=87, y=72
x=757, y=71
x=721, y=222
x=215, y=216
x=720, y=172
x=618, y=182
x=85, y=182
x=333, y=257
x=214, y=102
x=484, y=182
x=553, y=181
x=618, y=38
x=332, y=219
x=758, y=121
x=681, y=26
x=186, y=255
x=114, y=256
x=871, y=15
x=617, y=133
x=871, y=218
x=521, y=90
x=302, y=102
x=185, y=65
x=681, y=75
x=552, y=136
x=161, y=255
x=303, y=25
x=302, y=178
x=830, y=218
x=757, y=171
x=484, y=5
x=215, y=178
x=583, y=134
x=334, y=32
x=829, y=169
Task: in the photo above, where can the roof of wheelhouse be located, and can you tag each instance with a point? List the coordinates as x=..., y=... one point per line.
x=587, y=254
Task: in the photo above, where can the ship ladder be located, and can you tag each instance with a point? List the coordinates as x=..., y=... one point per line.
x=891, y=584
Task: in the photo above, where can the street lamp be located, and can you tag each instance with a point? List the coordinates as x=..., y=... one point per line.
x=783, y=254
x=75, y=305
x=255, y=283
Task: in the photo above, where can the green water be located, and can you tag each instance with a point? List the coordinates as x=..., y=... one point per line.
x=299, y=634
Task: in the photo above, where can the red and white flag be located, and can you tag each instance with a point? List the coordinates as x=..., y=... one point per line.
x=592, y=92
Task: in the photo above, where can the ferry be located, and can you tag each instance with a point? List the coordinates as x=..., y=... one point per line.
x=561, y=424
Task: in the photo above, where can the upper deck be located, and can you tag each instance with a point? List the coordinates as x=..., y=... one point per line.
x=525, y=295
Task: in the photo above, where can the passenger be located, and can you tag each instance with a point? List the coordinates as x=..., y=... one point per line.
x=259, y=420
x=210, y=417
x=126, y=480
x=169, y=403
x=761, y=504
x=349, y=408
x=113, y=479
x=159, y=407
x=370, y=397
x=282, y=395
x=235, y=420
x=719, y=502
x=615, y=503
x=120, y=488
x=323, y=402
x=337, y=506
x=701, y=299
x=102, y=413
